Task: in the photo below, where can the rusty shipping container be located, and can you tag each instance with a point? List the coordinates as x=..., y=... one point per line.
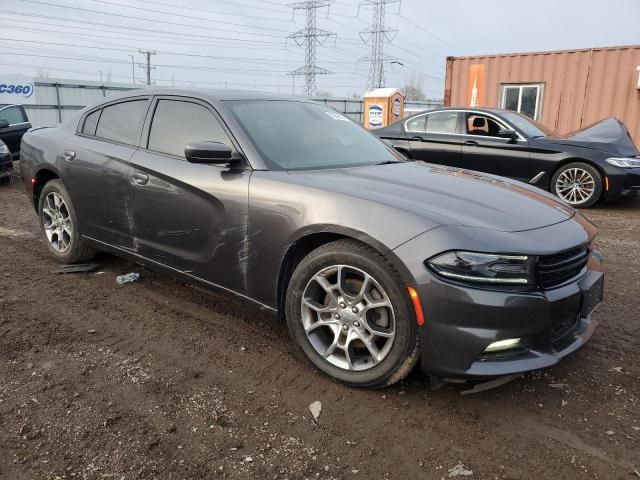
x=565, y=90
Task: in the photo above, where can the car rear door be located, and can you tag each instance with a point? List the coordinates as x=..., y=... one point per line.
x=190, y=217
x=18, y=125
x=96, y=169
x=433, y=137
x=483, y=150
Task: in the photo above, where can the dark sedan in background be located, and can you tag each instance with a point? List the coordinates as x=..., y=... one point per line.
x=6, y=162
x=600, y=161
x=14, y=123
x=375, y=262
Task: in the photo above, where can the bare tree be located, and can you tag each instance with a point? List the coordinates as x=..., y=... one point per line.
x=413, y=89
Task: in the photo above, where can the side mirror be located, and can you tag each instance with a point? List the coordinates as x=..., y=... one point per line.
x=207, y=152
x=3, y=123
x=508, y=133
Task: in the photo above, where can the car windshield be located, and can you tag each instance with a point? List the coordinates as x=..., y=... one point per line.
x=294, y=135
x=529, y=127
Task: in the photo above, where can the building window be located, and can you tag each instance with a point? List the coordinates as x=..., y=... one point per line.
x=523, y=98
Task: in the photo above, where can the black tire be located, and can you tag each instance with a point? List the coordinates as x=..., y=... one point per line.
x=77, y=250
x=403, y=353
x=595, y=175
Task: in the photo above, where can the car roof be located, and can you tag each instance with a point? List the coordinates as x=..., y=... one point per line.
x=495, y=111
x=211, y=94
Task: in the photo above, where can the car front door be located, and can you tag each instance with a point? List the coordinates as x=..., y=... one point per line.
x=95, y=168
x=433, y=137
x=18, y=124
x=191, y=217
x=485, y=151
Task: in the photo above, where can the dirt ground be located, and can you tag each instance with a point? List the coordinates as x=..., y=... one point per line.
x=159, y=380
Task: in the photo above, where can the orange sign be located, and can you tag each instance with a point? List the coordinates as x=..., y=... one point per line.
x=475, y=89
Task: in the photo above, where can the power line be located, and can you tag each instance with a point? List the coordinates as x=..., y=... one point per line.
x=119, y=15
x=163, y=52
x=141, y=29
x=309, y=37
x=166, y=38
x=433, y=35
x=173, y=14
x=234, y=3
x=122, y=62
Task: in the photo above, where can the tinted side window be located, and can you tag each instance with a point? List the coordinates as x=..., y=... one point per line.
x=121, y=122
x=91, y=122
x=442, y=122
x=177, y=123
x=12, y=115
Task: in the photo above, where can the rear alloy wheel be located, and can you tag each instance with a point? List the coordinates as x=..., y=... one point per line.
x=350, y=317
x=57, y=222
x=578, y=184
x=60, y=225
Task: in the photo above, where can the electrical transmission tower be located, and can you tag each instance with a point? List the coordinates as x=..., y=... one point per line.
x=310, y=37
x=376, y=36
x=148, y=67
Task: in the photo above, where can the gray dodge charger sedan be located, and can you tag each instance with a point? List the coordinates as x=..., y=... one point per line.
x=375, y=262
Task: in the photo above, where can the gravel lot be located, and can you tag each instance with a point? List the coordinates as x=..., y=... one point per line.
x=157, y=379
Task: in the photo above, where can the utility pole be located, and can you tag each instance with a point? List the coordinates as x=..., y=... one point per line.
x=148, y=67
x=376, y=36
x=133, y=69
x=310, y=37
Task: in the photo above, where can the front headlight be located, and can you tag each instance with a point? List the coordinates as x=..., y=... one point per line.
x=3, y=148
x=623, y=162
x=484, y=268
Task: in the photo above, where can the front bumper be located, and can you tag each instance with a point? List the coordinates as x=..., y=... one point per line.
x=462, y=321
x=623, y=183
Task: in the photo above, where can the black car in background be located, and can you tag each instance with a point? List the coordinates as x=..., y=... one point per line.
x=600, y=161
x=6, y=162
x=375, y=262
x=14, y=123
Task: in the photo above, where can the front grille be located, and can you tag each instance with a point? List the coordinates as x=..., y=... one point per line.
x=558, y=268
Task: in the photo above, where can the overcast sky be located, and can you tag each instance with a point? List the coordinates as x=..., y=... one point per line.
x=242, y=43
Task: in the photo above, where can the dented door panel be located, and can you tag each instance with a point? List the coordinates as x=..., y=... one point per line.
x=191, y=217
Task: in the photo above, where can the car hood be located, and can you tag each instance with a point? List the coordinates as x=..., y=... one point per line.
x=609, y=136
x=443, y=195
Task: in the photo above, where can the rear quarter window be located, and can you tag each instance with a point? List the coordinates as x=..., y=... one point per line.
x=91, y=122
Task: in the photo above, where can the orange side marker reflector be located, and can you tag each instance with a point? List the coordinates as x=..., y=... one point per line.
x=33, y=184
x=416, y=305
x=606, y=183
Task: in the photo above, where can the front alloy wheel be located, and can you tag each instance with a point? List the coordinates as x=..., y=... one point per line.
x=350, y=315
x=578, y=184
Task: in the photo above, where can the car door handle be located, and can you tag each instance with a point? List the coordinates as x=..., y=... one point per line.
x=140, y=178
x=471, y=143
x=417, y=139
x=69, y=155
